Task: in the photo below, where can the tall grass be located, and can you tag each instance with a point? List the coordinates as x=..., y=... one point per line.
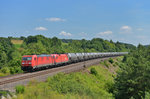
x=17, y=41
x=72, y=86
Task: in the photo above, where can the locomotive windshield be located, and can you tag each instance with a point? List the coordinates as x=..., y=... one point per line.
x=27, y=58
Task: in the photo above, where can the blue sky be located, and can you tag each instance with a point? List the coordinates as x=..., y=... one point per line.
x=120, y=20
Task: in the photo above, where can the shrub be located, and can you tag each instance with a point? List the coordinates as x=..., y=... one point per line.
x=124, y=58
x=105, y=63
x=18, y=69
x=4, y=93
x=116, y=64
x=20, y=89
x=12, y=70
x=111, y=60
x=15, y=69
x=5, y=70
x=147, y=95
x=66, y=84
x=93, y=71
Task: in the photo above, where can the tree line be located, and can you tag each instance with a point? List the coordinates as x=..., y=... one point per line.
x=41, y=44
x=10, y=54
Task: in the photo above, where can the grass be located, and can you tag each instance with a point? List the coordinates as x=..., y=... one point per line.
x=105, y=63
x=17, y=41
x=112, y=61
x=78, y=85
x=20, y=89
x=96, y=82
x=17, y=45
x=3, y=74
x=4, y=71
x=119, y=58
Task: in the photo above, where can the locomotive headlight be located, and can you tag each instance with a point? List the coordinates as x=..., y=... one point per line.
x=29, y=62
x=22, y=63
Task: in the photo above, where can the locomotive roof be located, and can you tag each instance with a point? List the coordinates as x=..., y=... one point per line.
x=43, y=55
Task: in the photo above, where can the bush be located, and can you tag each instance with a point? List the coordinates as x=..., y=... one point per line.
x=15, y=69
x=105, y=63
x=117, y=63
x=69, y=84
x=5, y=70
x=147, y=95
x=12, y=70
x=4, y=93
x=93, y=71
x=18, y=69
x=111, y=60
x=20, y=89
x=124, y=58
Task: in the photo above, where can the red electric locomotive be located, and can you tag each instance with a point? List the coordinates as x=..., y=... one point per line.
x=32, y=62
x=60, y=58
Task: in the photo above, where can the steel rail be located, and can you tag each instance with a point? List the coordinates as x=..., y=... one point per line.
x=66, y=69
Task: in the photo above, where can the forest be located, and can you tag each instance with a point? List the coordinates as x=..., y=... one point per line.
x=133, y=79
x=12, y=52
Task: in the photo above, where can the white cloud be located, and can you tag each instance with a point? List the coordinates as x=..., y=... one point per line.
x=105, y=33
x=126, y=29
x=65, y=33
x=40, y=29
x=55, y=19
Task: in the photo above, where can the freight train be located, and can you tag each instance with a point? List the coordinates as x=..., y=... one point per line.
x=34, y=62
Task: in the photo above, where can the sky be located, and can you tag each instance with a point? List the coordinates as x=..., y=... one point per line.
x=126, y=21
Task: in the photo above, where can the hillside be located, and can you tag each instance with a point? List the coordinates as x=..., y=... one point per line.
x=94, y=82
x=101, y=81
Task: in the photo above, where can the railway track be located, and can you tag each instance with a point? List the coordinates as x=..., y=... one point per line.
x=31, y=75
x=9, y=82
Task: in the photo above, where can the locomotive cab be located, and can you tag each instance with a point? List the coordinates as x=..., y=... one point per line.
x=28, y=62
